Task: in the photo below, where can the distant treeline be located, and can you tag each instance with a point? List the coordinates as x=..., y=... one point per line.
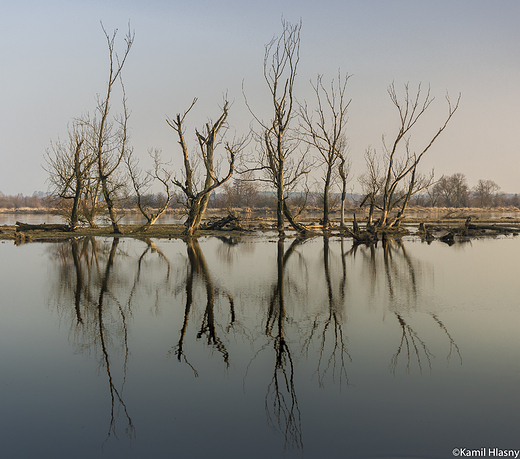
x=19, y=201
x=449, y=191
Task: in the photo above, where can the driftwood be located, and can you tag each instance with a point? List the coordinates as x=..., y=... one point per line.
x=360, y=237
x=448, y=238
x=425, y=232
x=468, y=230
x=25, y=227
x=229, y=222
x=372, y=233
x=497, y=228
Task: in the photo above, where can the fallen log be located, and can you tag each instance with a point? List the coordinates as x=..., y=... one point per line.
x=360, y=237
x=229, y=222
x=25, y=227
x=498, y=228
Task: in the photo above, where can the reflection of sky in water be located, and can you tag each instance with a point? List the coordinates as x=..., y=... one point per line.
x=131, y=218
x=363, y=358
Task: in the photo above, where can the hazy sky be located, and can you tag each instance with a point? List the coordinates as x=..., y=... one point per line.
x=54, y=61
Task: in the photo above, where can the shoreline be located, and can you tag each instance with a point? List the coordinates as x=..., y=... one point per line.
x=255, y=225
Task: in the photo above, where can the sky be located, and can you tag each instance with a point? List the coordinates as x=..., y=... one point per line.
x=54, y=61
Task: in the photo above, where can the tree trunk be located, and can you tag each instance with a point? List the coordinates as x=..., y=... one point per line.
x=343, y=197
x=197, y=208
x=24, y=227
x=325, y=221
x=370, y=221
x=280, y=223
x=79, y=187
x=297, y=226
x=110, y=207
x=400, y=215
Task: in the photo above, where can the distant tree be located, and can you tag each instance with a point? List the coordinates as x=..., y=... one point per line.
x=485, y=193
x=453, y=190
x=514, y=201
x=198, y=192
x=240, y=193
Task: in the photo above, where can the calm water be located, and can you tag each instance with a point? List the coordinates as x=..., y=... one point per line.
x=258, y=348
x=36, y=219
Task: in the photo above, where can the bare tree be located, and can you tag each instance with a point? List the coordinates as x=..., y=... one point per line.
x=240, y=193
x=453, y=190
x=485, y=192
x=344, y=172
x=91, y=204
x=371, y=183
x=110, y=136
x=70, y=165
x=326, y=134
x=197, y=195
x=283, y=164
x=399, y=178
x=142, y=183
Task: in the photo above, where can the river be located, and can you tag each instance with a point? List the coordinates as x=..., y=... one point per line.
x=255, y=347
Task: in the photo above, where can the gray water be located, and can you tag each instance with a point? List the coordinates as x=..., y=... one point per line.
x=257, y=348
x=131, y=218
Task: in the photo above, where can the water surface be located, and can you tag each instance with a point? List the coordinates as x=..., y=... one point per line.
x=257, y=347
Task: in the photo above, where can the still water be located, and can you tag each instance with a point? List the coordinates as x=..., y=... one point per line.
x=258, y=348
x=132, y=218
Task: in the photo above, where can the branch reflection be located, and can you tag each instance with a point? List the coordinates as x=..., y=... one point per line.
x=281, y=402
x=198, y=271
x=87, y=279
x=335, y=317
x=302, y=298
x=402, y=284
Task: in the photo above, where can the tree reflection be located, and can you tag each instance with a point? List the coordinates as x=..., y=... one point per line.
x=328, y=326
x=198, y=271
x=115, y=394
x=413, y=345
x=281, y=403
x=402, y=285
x=333, y=322
x=453, y=345
x=86, y=279
x=303, y=302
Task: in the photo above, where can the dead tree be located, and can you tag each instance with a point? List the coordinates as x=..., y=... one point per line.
x=110, y=137
x=142, y=183
x=343, y=172
x=280, y=159
x=197, y=197
x=417, y=182
x=69, y=165
x=26, y=227
x=326, y=133
x=371, y=183
x=390, y=187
